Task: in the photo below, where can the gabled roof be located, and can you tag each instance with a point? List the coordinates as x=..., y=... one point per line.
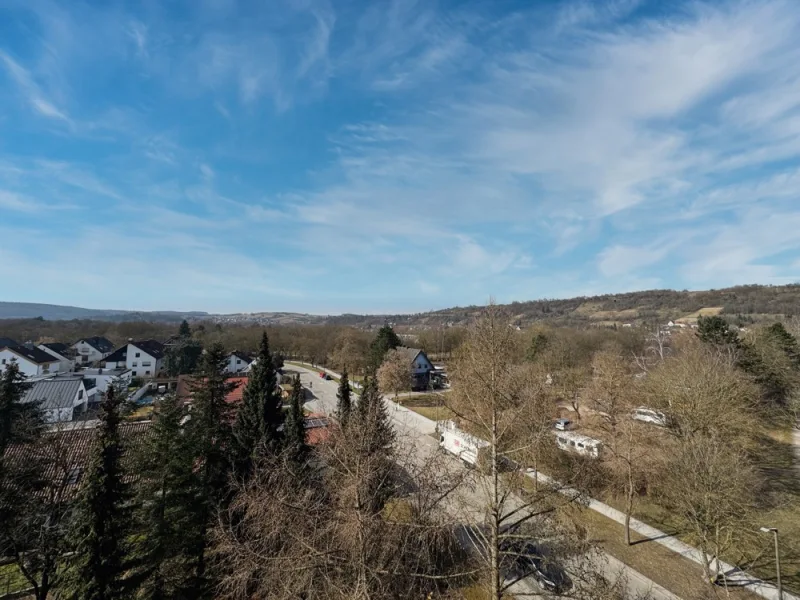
x=57, y=347
x=412, y=353
x=119, y=355
x=98, y=342
x=244, y=356
x=187, y=383
x=53, y=393
x=7, y=342
x=65, y=454
x=151, y=347
x=34, y=355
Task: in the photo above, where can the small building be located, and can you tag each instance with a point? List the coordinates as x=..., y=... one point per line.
x=60, y=398
x=238, y=362
x=569, y=441
x=91, y=350
x=317, y=430
x=421, y=367
x=31, y=361
x=61, y=353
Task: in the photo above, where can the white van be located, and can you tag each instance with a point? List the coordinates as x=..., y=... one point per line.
x=648, y=415
x=569, y=441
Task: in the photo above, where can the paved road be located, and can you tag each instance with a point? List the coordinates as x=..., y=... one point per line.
x=414, y=433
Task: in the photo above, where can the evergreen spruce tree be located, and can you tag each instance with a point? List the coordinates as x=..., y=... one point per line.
x=344, y=402
x=210, y=431
x=184, y=330
x=257, y=423
x=168, y=501
x=295, y=425
x=385, y=340
x=715, y=330
x=369, y=394
x=19, y=422
x=786, y=341
x=102, y=516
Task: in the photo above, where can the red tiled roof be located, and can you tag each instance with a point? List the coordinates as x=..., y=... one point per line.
x=184, y=389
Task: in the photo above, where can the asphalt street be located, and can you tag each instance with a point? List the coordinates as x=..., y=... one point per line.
x=414, y=437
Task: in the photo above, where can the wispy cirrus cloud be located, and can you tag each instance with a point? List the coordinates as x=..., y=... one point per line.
x=552, y=149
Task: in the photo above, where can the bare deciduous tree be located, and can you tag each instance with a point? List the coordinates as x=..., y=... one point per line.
x=394, y=374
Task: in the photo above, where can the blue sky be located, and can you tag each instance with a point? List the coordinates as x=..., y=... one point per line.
x=393, y=156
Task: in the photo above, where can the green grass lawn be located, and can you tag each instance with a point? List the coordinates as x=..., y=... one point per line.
x=11, y=580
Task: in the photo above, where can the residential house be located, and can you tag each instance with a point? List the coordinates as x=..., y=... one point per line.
x=61, y=353
x=31, y=361
x=91, y=350
x=145, y=358
x=60, y=398
x=238, y=362
x=421, y=367
x=66, y=453
x=118, y=359
x=185, y=389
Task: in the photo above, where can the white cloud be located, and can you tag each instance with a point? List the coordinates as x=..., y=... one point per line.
x=32, y=92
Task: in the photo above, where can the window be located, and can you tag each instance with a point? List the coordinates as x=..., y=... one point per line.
x=80, y=394
x=134, y=364
x=73, y=476
x=238, y=362
x=146, y=363
x=137, y=354
x=4, y=361
x=147, y=372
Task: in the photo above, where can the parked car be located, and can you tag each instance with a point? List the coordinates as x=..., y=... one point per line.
x=528, y=559
x=562, y=424
x=648, y=415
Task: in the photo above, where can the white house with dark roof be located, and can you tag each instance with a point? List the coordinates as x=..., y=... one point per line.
x=238, y=362
x=59, y=352
x=145, y=358
x=60, y=399
x=31, y=361
x=421, y=366
x=91, y=349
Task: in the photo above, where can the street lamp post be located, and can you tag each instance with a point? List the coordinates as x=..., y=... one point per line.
x=774, y=531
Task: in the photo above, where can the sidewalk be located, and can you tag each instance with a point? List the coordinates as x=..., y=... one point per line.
x=735, y=576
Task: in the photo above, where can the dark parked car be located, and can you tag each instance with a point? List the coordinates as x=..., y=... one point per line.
x=526, y=559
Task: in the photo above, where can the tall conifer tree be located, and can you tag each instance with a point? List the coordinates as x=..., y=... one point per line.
x=102, y=517
x=295, y=425
x=257, y=423
x=344, y=402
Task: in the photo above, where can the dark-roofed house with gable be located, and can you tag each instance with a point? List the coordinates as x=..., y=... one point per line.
x=238, y=362
x=61, y=353
x=91, y=349
x=8, y=342
x=60, y=399
x=145, y=358
x=421, y=367
x=31, y=361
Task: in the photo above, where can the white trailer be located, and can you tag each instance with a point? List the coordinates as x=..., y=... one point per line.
x=569, y=441
x=465, y=446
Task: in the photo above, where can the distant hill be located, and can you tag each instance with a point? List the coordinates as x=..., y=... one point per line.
x=54, y=312
x=744, y=304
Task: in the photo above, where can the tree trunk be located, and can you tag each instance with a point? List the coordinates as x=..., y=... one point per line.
x=494, y=550
x=629, y=507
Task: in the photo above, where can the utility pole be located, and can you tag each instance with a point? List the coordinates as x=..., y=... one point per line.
x=774, y=531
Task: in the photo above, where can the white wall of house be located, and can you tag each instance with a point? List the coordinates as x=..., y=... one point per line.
x=421, y=365
x=236, y=364
x=26, y=366
x=86, y=353
x=65, y=365
x=79, y=405
x=141, y=363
